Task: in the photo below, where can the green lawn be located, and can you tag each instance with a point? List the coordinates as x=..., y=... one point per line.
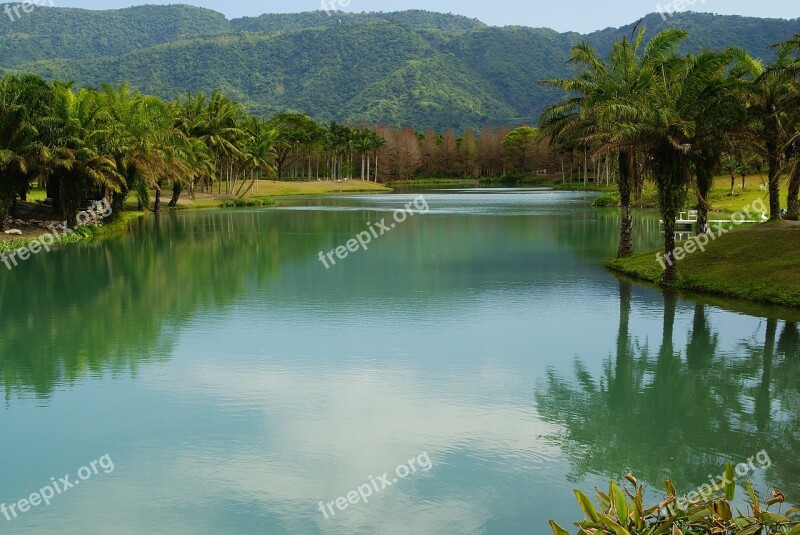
x=266, y=190
x=719, y=198
x=37, y=194
x=757, y=262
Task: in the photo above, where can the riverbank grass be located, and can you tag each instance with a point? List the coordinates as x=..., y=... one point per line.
x=757, y=263
x=85, y=233
x=265, y=193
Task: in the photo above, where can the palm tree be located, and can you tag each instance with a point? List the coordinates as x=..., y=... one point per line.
x=791, y=69
x=793, y=162
x=772, y=94
x=722, y=117
x=297, y=133
x=604, y=94
x=673, y=124
x=376, y=142
x=364, y=142
x=147, y=146
x=80, y=136
x=259, y=152
x=24, y=103
x=732, y=165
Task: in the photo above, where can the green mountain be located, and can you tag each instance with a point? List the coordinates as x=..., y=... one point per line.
x=413, y=67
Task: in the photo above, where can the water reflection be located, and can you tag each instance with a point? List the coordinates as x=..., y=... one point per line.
x=112, y=306
x=237, y=382
x=671, y=412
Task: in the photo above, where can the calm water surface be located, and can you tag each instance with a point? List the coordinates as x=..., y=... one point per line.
x=236, y=383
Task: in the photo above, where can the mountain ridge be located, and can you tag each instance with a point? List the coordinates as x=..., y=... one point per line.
x=416, y=68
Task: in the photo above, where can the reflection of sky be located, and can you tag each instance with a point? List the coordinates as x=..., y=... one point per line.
x=322, y=432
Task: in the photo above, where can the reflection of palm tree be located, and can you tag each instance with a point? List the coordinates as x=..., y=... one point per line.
x=700, y=340
x=763, y=398
x=660, y=416
x=87, y=312
x=620, y=385
x=784, y=422
x=789, y=341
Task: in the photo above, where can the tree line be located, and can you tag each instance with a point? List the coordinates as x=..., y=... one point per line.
x=340, y=152
x=113, y=142
x=680, y=119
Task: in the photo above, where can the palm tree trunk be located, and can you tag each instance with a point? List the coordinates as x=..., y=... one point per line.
x=671, y=272
x=252, y=183
x=626, y=163
x=773, y=162
x=176, y=193
x=669, y=170
x=793, y=207
x=705, y=179
x=244, y=183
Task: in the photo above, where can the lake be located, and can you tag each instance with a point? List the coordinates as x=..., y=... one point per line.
x=208, y=374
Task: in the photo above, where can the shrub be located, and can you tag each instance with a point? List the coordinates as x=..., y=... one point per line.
x=607, y=200
x=242, y=203
x=616, y=515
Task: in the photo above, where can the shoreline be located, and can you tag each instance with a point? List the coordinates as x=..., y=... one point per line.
x=202, y=201
x=84, y=234
x=741, y=265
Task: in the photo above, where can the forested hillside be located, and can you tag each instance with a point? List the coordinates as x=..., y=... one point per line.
x=65, y=33
x=418, y=68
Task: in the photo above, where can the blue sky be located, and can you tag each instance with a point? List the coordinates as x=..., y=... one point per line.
x=562, y=15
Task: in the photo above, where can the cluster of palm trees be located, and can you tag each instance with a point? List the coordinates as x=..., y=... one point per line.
x=676, y=117
x=114, y=142
x=309, y=150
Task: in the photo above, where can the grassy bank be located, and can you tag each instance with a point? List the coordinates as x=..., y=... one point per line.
x=580, y=186
x=264, y=194
x=719, y=198
x=83, y=234
x=756, y=263
x=510, y=181
x=286, y=189
x=423, y=182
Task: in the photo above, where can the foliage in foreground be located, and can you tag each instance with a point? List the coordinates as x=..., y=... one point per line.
x=622, y=512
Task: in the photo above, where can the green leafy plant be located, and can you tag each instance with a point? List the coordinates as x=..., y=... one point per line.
x=611, y=199
x=622, y=512
x=244, y=203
